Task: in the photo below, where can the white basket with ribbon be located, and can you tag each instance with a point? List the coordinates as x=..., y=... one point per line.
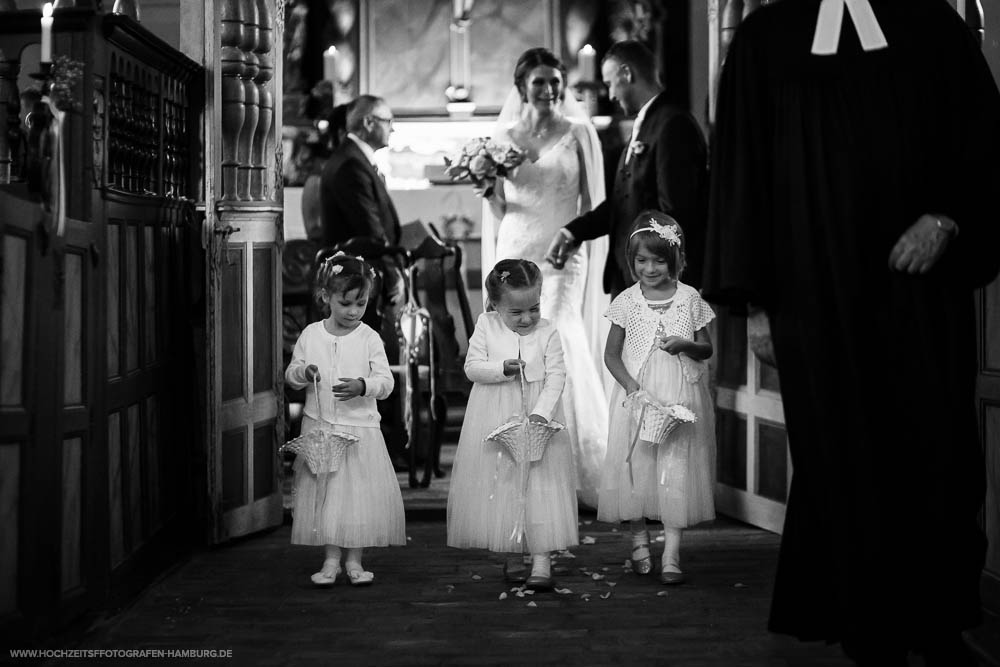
x=323, y=447
x=654, y=421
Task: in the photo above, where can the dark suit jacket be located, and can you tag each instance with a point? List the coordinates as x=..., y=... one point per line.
x=355, y=200
x=670, y=174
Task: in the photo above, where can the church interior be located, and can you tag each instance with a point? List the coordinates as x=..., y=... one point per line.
x=160, y=214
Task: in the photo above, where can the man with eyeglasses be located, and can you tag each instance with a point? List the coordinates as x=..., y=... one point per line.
x=356, y=205
x=663, y=167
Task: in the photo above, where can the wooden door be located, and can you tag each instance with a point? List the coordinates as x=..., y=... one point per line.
x=245, y=371
x=753, y=465
x=244, y=236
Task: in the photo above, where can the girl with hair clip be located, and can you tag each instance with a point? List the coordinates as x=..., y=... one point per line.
x=342, y=364
x=515, y=362
x=656, y=351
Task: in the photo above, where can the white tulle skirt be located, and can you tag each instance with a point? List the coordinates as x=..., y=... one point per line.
x=673, y=482
x=360, y=505
x=484, y=508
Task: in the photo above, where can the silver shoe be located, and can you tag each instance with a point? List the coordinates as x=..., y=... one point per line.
x=642, y=564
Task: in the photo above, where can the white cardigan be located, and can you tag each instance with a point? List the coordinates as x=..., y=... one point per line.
x=492, y=343
x=359, y=354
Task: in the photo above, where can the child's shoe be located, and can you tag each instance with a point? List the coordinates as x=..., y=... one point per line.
x=541, y=573
x=327, y=576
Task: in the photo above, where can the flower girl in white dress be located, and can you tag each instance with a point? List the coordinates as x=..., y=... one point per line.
x=515, y=359
x=658, y=344
x=342, y=364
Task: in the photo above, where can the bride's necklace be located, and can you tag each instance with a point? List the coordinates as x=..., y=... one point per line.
x=541, y=131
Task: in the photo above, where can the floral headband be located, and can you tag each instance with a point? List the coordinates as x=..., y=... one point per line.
x=666, y=232
x=341, y=255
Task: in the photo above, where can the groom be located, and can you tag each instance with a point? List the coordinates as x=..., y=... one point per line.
x=664, y=167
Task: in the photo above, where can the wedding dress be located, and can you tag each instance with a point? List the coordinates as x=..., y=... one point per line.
x=541, y=197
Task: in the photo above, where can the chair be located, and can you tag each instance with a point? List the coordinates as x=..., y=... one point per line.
x=429, y=346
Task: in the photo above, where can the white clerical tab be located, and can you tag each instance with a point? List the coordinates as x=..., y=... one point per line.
x=831, y=18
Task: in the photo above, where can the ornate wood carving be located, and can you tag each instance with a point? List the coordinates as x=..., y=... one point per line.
x=265, y=74
x=233, y=92
x=251, y=97
x=10, y=124
x=97, y=131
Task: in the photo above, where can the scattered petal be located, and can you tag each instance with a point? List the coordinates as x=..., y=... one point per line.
x=661, y=594
x=503, y=596
x=605, y=596
x=587, y=539
x=532, y=604
x=604, y=569
x=739, y=585
x=585, y=597
x=611, y=584
x=520, y=594
x=614, y=530
x=529, y=592
x=409, y=539
x=449, y=588
x=476, y=577
x=588, y=522
x=562, y=591
x=659, y=538
x=516, y=589
x=596, y=577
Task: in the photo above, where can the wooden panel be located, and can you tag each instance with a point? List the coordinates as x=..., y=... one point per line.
x=991, y=326
x=991, y=417
x=264, y=320
x=407, y=54
x=501, y=30
x=131, y=287
x=150, y=330
x=154, y=469
x=133, y=477
x=264, y=455
x=116, y=521
x=772, y=461
x=113, y=269
x=13, y=319
x=73, y=331
x=72, y=498
x=731, y=436
x=234, y=468
x=233, y=326
x=10, y=475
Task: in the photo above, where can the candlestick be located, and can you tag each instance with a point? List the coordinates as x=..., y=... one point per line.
x=585, y=60
x=330, y=64
x=46, y=33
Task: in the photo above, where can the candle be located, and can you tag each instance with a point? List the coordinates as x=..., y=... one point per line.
x=46, y=33
x=585, y=60
x=330, y=64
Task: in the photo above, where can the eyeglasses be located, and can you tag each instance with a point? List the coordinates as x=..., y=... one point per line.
x=384, y=120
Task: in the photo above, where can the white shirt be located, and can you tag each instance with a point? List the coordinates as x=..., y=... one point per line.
x=541, y=350
x=359, y=354
x=639, y=117
x=365, y=148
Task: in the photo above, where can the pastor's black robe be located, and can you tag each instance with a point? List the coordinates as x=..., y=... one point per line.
x=819, y=165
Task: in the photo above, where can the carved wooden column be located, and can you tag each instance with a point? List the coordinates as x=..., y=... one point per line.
x=251, y=96
x=259, y=176
x=10, y=101
x=232, y=67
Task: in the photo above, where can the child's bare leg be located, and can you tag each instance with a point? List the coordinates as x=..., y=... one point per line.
x=642, y=561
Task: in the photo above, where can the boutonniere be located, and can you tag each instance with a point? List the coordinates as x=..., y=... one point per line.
x=639, y=147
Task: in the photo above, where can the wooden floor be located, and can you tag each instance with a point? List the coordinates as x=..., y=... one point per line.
x=434, y=605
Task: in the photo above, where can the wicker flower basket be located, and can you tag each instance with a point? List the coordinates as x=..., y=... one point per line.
x=323, y=448
x=524, y=440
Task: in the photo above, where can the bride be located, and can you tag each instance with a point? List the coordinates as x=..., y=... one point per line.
x=561, y=177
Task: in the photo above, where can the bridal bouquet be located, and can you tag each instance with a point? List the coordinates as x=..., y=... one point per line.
x=482, y=160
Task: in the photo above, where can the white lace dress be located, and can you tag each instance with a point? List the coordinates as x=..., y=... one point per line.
x=541, y=197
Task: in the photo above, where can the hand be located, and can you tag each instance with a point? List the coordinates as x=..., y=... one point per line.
x=537, y=419
x=512, y=367
x=673, y=344
x=559, y=250
x=759, y=336
x=482, y=189
x=921, y=246
x=631, y=387
x=312, y=373
x=348, y=388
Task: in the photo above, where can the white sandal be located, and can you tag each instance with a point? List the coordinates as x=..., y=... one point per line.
x=328, y=575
